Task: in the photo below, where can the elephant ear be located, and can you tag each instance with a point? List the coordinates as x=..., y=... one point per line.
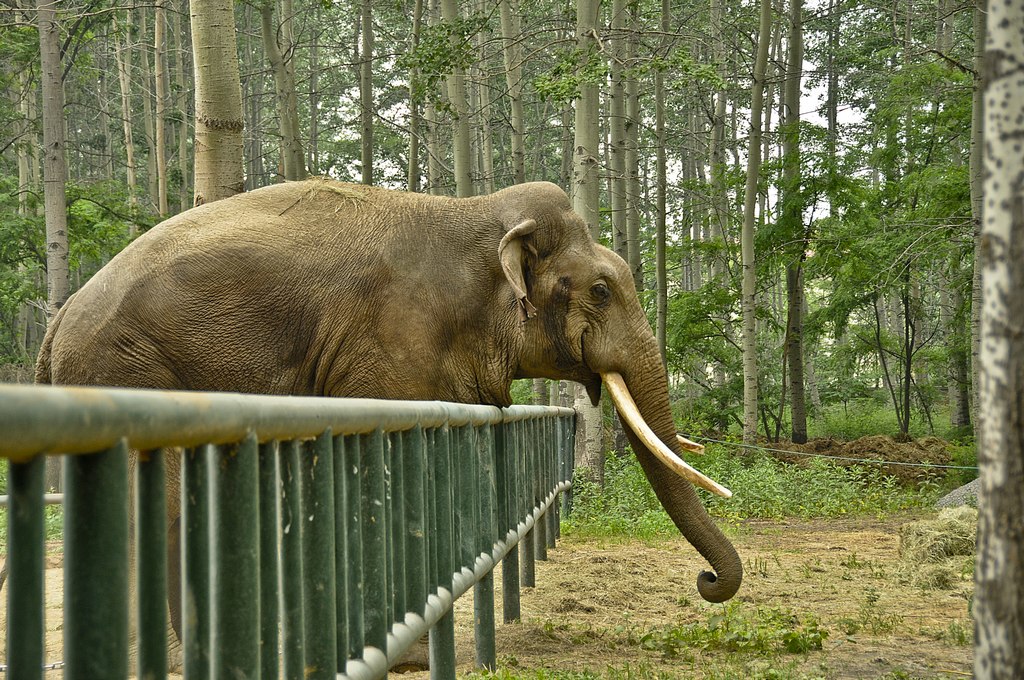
x=510, y=253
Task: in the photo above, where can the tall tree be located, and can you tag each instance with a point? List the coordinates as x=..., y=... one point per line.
x=54, y=159
x=366, y=109
x=586, y=188
x=160, y=120
x=460, y=107
x=661, y=152
x=219, y=122
x=513, y=55
x=999, y=563
x=792, y=223
x=279, y=45
x=747, y=233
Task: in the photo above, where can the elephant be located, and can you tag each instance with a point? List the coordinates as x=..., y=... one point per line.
x=330, y=289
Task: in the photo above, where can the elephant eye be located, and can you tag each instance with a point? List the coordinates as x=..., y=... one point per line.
x=600, y=293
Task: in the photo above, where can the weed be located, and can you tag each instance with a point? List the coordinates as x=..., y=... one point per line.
x=735, y=629
x=956, y=633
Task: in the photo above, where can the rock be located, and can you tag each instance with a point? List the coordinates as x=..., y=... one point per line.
x=965, y=495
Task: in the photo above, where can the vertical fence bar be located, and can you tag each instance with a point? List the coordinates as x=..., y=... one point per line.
x=396, y=528
x=375, y=585
x=294, y=650
x=485, y=531
x=551, y=476
x=341, y=562
x=414, y=499
x=96, y=564
x=195, y=558
x=269, y=483
x=236, y=552
x=527, y=544
x=151, y=538
x=318, y=558
x=25, y=560
x=354, y=545
x=442, y=635
x=504, y=479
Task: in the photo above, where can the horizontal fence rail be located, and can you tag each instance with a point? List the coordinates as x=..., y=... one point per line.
x=320, y=538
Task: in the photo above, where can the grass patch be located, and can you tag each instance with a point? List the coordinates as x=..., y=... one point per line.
x=763, y=488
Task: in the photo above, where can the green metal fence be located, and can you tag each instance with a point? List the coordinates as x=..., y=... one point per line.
x=322, y=537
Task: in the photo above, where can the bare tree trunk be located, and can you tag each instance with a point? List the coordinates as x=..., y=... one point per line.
x=513, y=54
x=661, y=273
x=160, y=121
x=54, y=161
x=123, y=59
x=586, y=187
x=219, y=122
x=747, y=234
x=632, y=128
x=792, y=219
x=977, y=170
x=313, y=152
x=280, y=53
x=720, y=198
x=617, y=130
x=413, y=181
x=184, y=67
x=434, y=169
x=366, y=89
x=999, y=563
x=463, y=158
x=149, y=125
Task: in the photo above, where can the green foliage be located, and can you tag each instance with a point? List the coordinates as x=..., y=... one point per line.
x=735, y=628
x=763, y=488
x=572, y=69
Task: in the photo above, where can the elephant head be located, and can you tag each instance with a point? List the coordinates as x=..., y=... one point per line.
x=582, y=321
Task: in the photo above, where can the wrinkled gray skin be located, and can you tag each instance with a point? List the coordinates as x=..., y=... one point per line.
x=321, y=288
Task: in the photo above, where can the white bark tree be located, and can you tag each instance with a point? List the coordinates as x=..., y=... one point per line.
x=219, y=122
x=999, y=563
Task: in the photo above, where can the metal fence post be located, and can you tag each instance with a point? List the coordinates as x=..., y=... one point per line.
x=293, y=618
x=151, y=536
x=269, y=490
x=318, y=607
x=25, y=555
x=96, y=564
x=235, y=579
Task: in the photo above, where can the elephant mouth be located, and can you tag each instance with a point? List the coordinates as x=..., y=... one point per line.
x=627, y=408
x=592, y=380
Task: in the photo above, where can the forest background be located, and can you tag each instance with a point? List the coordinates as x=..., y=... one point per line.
x=858, y=211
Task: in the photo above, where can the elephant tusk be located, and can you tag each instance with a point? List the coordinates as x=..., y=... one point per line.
x=631, y=414
x=692, y=447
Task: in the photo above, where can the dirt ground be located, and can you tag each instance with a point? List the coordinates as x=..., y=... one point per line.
x=609, y=606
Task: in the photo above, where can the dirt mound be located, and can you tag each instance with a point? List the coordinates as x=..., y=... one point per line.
x=875, y=448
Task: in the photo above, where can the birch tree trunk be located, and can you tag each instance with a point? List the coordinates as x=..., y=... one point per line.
x=719, y=199
x=184, y=66
x=617, y=130
x=123, y=59
x=632, y=171
x=463, y=158
x=280, y=54
x=219, y=122
x=586, y=187
x=513, y=55
x=160, y=120
x=149, y=124
x=413, y=181
x=54, y=160
x=661, y=273
x=999, y=563
x=366, y=89
x=977, y=170
x=747, y=233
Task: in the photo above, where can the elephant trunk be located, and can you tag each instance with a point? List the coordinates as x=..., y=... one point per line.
x=648, y=385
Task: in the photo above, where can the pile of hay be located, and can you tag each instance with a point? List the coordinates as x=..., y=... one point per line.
x=939, y=553
x=876, y=447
